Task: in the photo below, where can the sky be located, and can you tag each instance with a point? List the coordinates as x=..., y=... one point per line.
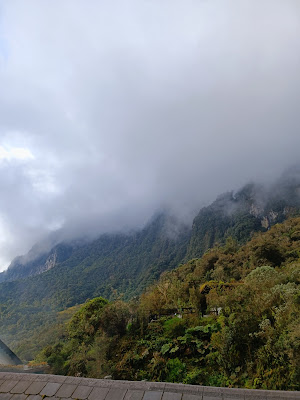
x=112, y=110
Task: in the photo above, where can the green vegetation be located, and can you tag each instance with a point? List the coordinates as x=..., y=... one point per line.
x=237, y=321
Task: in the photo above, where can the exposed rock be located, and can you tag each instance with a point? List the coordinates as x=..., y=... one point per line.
x=255, y=210
x=265, y=223
x=50, y=262
x=272, y=216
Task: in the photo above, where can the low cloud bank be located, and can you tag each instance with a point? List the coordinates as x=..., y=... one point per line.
x=111, y=111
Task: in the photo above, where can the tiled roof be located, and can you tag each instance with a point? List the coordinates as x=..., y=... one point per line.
x=24, y=386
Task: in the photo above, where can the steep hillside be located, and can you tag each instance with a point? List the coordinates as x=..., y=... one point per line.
x=125, y=262
x=238, y=215
x=38, y=261
x=230, y=318
x=157, y=239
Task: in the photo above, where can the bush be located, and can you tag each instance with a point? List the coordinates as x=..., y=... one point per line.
x=174, y=327
x=87, y=320
x=115, y=318
x=176, y=370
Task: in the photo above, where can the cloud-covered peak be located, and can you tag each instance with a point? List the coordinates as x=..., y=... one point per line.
x=123, y=108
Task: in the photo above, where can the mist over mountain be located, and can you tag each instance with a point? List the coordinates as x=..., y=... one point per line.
x=255, y=207
x=114, y=115
x=150, y=189
x=49, y=280
x=125, y=254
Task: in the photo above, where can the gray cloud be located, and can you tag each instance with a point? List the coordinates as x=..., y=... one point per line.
x=127, y=107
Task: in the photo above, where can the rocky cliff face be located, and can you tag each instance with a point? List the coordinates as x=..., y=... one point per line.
x=37, y=261
x=254, y=208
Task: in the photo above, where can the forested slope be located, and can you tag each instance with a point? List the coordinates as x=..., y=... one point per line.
x=254, y=208
x=230, y=318
x=124, y=262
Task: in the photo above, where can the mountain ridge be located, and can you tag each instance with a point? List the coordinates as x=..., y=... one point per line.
x=253, y=208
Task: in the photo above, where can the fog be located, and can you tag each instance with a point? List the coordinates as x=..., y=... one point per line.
x=112, y=110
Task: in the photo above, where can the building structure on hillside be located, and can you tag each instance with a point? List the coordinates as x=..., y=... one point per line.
x=8, y=357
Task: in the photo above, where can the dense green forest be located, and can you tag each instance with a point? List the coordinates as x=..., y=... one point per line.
x=229, y=318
